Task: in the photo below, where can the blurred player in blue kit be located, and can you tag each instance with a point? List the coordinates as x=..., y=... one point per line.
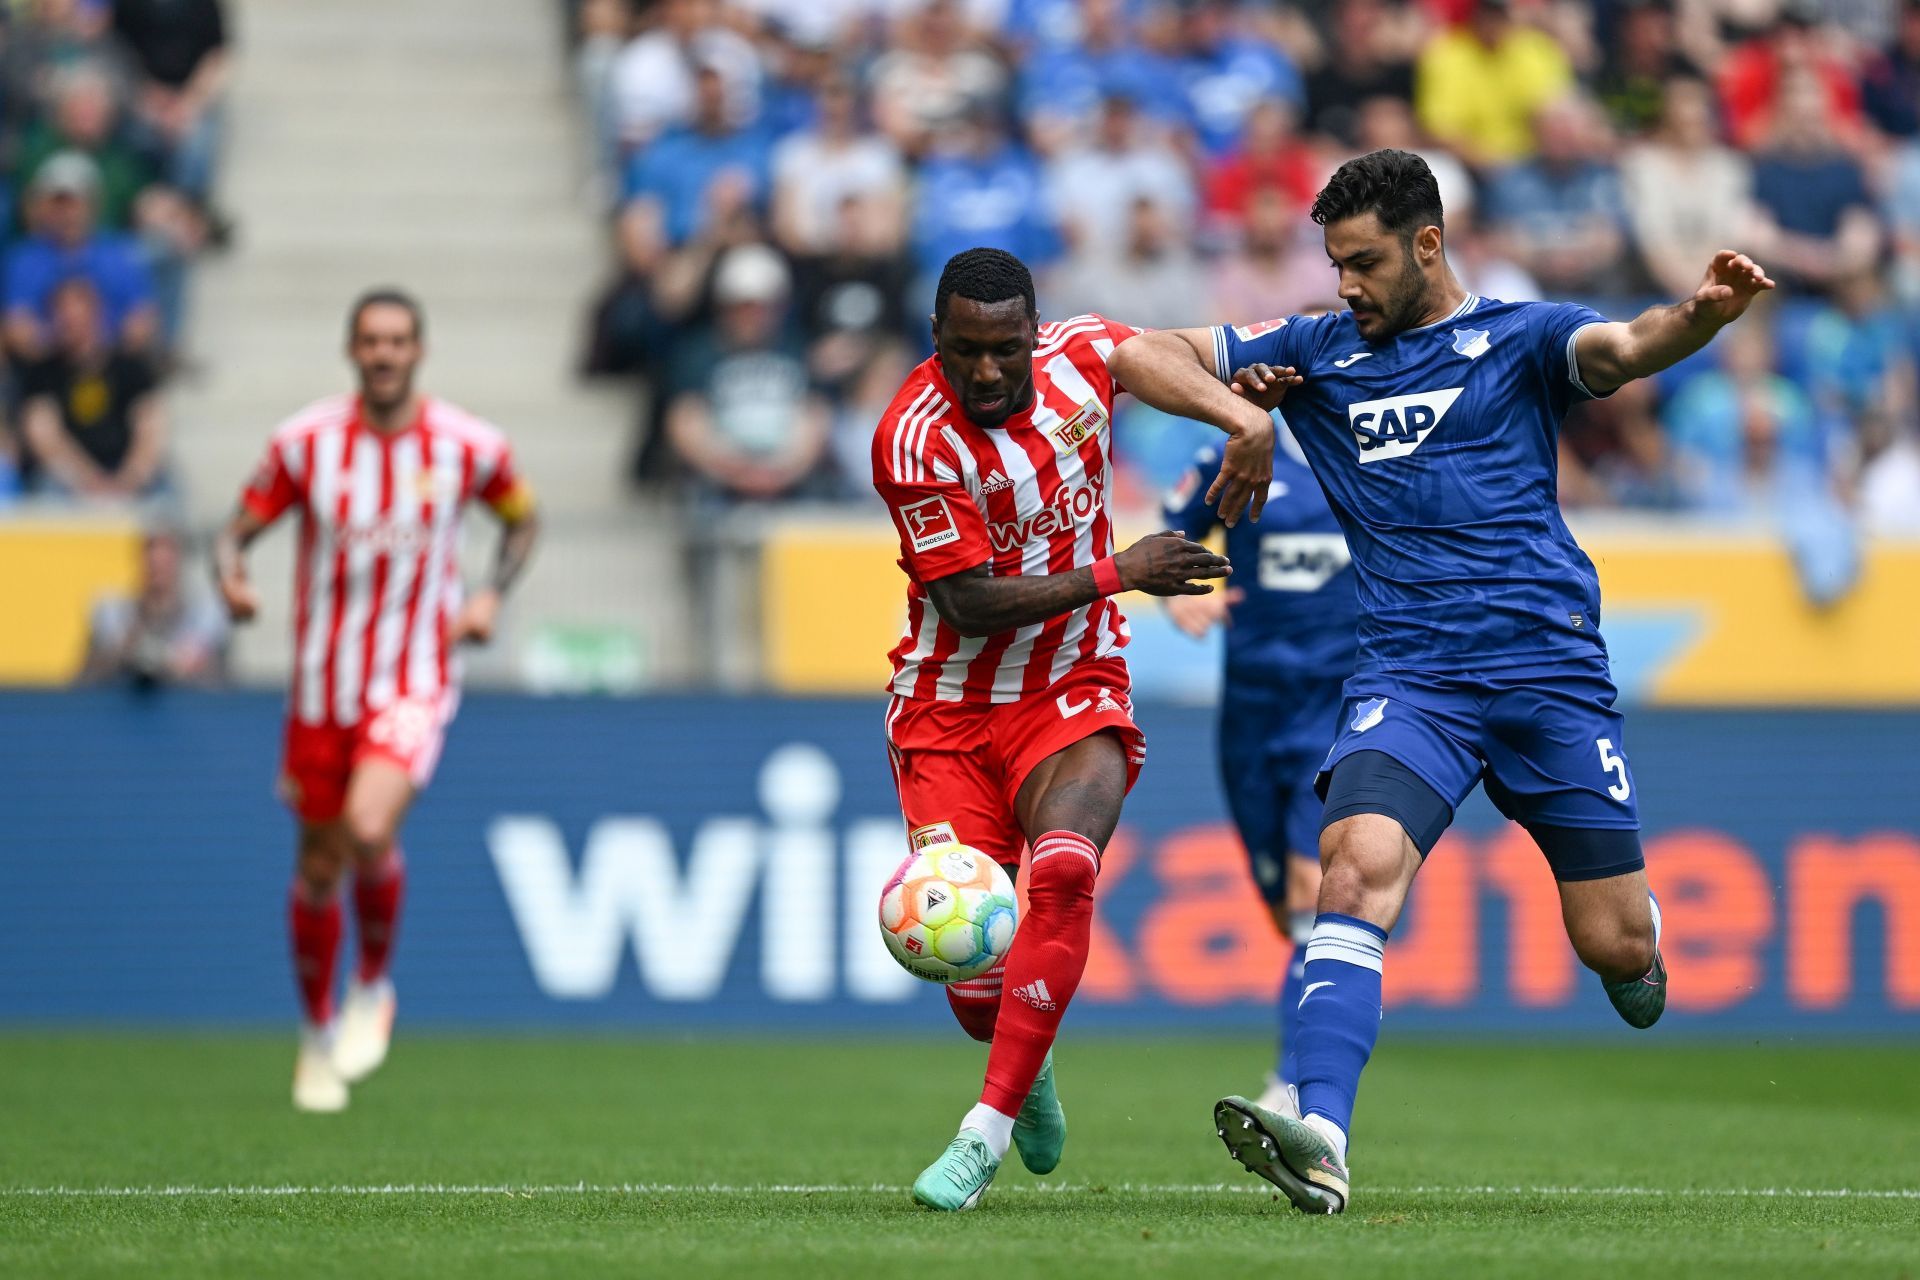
x=1290, y=646
x=1431, y=418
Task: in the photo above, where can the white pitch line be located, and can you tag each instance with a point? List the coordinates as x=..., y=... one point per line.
x=836, y=1188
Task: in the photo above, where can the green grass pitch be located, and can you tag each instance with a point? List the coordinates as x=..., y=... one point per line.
x=737, y=1156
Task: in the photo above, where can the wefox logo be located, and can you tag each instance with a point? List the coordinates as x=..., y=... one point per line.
x=1396, y=426
x=1068, y=508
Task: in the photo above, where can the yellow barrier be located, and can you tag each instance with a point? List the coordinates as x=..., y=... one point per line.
x=52, y=570
x=1734, y=627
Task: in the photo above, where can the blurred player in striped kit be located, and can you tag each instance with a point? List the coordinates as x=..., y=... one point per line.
x=381, y=479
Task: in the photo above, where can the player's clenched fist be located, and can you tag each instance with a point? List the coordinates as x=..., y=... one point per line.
x=238, y=595
x=1166, y=564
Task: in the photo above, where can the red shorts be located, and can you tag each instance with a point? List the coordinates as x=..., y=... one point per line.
x=320, y=758
x=960, y=764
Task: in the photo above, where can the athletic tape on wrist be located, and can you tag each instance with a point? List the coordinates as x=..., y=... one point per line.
x=1106, y=577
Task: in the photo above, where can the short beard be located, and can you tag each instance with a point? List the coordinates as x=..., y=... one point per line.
x=1409, y=295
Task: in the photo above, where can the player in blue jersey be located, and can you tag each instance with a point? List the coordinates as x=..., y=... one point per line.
x=1431, y=419
x=1290, y=646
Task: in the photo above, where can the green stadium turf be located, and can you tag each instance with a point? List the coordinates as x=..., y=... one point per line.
x=727, y=1157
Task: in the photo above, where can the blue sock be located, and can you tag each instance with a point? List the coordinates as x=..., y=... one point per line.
x=1339, y=1014
x=1299, y=928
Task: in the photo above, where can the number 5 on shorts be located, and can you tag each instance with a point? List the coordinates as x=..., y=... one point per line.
x=1613, y=763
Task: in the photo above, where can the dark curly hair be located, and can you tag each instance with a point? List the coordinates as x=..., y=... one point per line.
x=387, y=296
x=984, y=275
x=1395, y=185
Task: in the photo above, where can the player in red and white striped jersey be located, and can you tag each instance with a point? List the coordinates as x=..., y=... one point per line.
x=381, y=480
x=1011, y=723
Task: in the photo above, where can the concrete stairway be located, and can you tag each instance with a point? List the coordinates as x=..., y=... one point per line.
x=432, y=144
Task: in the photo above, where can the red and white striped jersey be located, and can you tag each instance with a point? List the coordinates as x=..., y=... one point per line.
x=377, y=584
x=1026, y=497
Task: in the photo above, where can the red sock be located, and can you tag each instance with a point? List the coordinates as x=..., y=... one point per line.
x=315, y=927
x=1043, y=969
x=377, y=893
x=976, y=1002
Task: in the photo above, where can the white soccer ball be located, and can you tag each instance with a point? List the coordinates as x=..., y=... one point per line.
x=948, y=913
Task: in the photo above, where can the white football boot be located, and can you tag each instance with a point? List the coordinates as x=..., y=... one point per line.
x=364, y=1029
x=317, y=1083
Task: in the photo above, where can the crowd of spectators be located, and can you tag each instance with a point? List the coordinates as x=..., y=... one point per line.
x=110, y=121
x=787, y=176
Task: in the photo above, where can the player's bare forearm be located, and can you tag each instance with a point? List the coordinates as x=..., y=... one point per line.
x=975, y=603
x=517, y=538
x=1611, y=355
x=230, y=563
x=1172, y=370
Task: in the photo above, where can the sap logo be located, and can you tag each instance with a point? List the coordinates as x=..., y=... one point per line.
x=1301, y=561
x=683, y=918
x=1068, y=508
x=1395, y=427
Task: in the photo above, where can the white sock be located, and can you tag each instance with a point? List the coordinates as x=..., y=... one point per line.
x=1331, y=1132
x=995, y=1126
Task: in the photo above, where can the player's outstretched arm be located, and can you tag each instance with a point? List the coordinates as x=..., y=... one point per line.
x=1172, y=370
x=975, y=603
x=230, y=564
x=1612, y=355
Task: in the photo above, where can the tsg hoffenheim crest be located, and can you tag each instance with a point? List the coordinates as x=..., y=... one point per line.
x=1471, y=343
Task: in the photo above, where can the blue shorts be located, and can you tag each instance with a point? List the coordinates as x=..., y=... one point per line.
x=1272, y=741
x=1547, y=741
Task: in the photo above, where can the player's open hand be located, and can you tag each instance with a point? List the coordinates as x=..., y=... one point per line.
x=1246, y=470
x=1166, y=564
x=1197, y=615
x=1264, y=385
x=239, y=597
x=1733, y=281
x=477, y=618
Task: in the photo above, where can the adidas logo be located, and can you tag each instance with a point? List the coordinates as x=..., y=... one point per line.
x=1036, y=994
x=994, y=483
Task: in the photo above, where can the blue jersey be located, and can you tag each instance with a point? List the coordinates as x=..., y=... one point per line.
x=1296, y=621
x=1438, y=451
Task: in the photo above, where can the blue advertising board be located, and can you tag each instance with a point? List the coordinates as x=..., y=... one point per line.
x=687, y=862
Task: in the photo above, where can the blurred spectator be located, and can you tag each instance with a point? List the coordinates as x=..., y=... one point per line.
x=1389, y=122
x=936, y=72
x=1064, y=85
x=1818, y=222
x=1482, y=264
x=44, y=38
x=1687, y=196
x=1755, y=77
x=63, y=243
x=181, y=50
x=1889, y=489
x=1365, y=58
x=1561, y=212
x=1091, y=189
x=91, y=415
x=1743, y=436
x=10, y=466
x=603, y=28
x=815, y=172
x=172, y=631
x=691, y=174
x=1637, y=66
x=1614, y=453
x=1859, y=360
x=1228, y=70
x=852, y=304
x=981, y=188
x=1480, y=86
x=1151, y=279
x=1269, y=157
x=654, y=81
x=1890, y=77
x=83, y=117
x=1278, y=268
x=740, y=412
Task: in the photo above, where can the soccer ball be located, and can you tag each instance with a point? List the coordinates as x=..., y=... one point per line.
x=948, y=913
